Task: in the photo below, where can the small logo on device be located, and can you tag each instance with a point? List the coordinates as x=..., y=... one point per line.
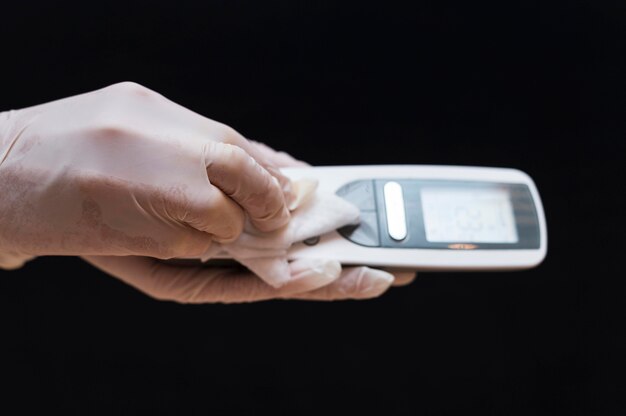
x=462, y=246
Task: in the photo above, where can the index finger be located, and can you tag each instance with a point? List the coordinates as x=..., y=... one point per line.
x=240, y=177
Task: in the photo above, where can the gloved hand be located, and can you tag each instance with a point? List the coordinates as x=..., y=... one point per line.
x=308, y=279
x=124, y=171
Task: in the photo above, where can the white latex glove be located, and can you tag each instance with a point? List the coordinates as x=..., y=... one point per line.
x=308, y=279
x=124, y=171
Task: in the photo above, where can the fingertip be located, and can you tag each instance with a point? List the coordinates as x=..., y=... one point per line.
x=328, y=268
x=378, y=281
x=310, y=274
x=272, y=270
x=403, y=278
x=303, y=190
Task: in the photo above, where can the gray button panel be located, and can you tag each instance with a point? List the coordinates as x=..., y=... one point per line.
x=366, y=232
x=361, y=194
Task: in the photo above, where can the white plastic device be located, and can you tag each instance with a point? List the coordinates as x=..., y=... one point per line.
x=425, y=217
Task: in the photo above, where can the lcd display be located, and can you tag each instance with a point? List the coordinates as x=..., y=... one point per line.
x=468, y=215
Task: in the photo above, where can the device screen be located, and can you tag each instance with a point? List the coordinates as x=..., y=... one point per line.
x=468, y=215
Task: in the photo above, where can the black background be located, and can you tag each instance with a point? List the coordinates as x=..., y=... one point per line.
x=533, y=85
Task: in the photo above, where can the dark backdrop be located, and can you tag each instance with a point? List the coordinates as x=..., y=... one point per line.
x=533, y=85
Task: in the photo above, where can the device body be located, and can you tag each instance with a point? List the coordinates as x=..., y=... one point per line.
x=423, y=217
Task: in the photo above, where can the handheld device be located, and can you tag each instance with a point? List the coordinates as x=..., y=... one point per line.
x=431, y=217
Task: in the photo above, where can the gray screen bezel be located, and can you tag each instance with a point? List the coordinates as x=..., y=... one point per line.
x=524, y=211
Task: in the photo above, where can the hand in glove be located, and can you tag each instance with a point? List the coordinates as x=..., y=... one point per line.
x=124, y=171
x=265, y=254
